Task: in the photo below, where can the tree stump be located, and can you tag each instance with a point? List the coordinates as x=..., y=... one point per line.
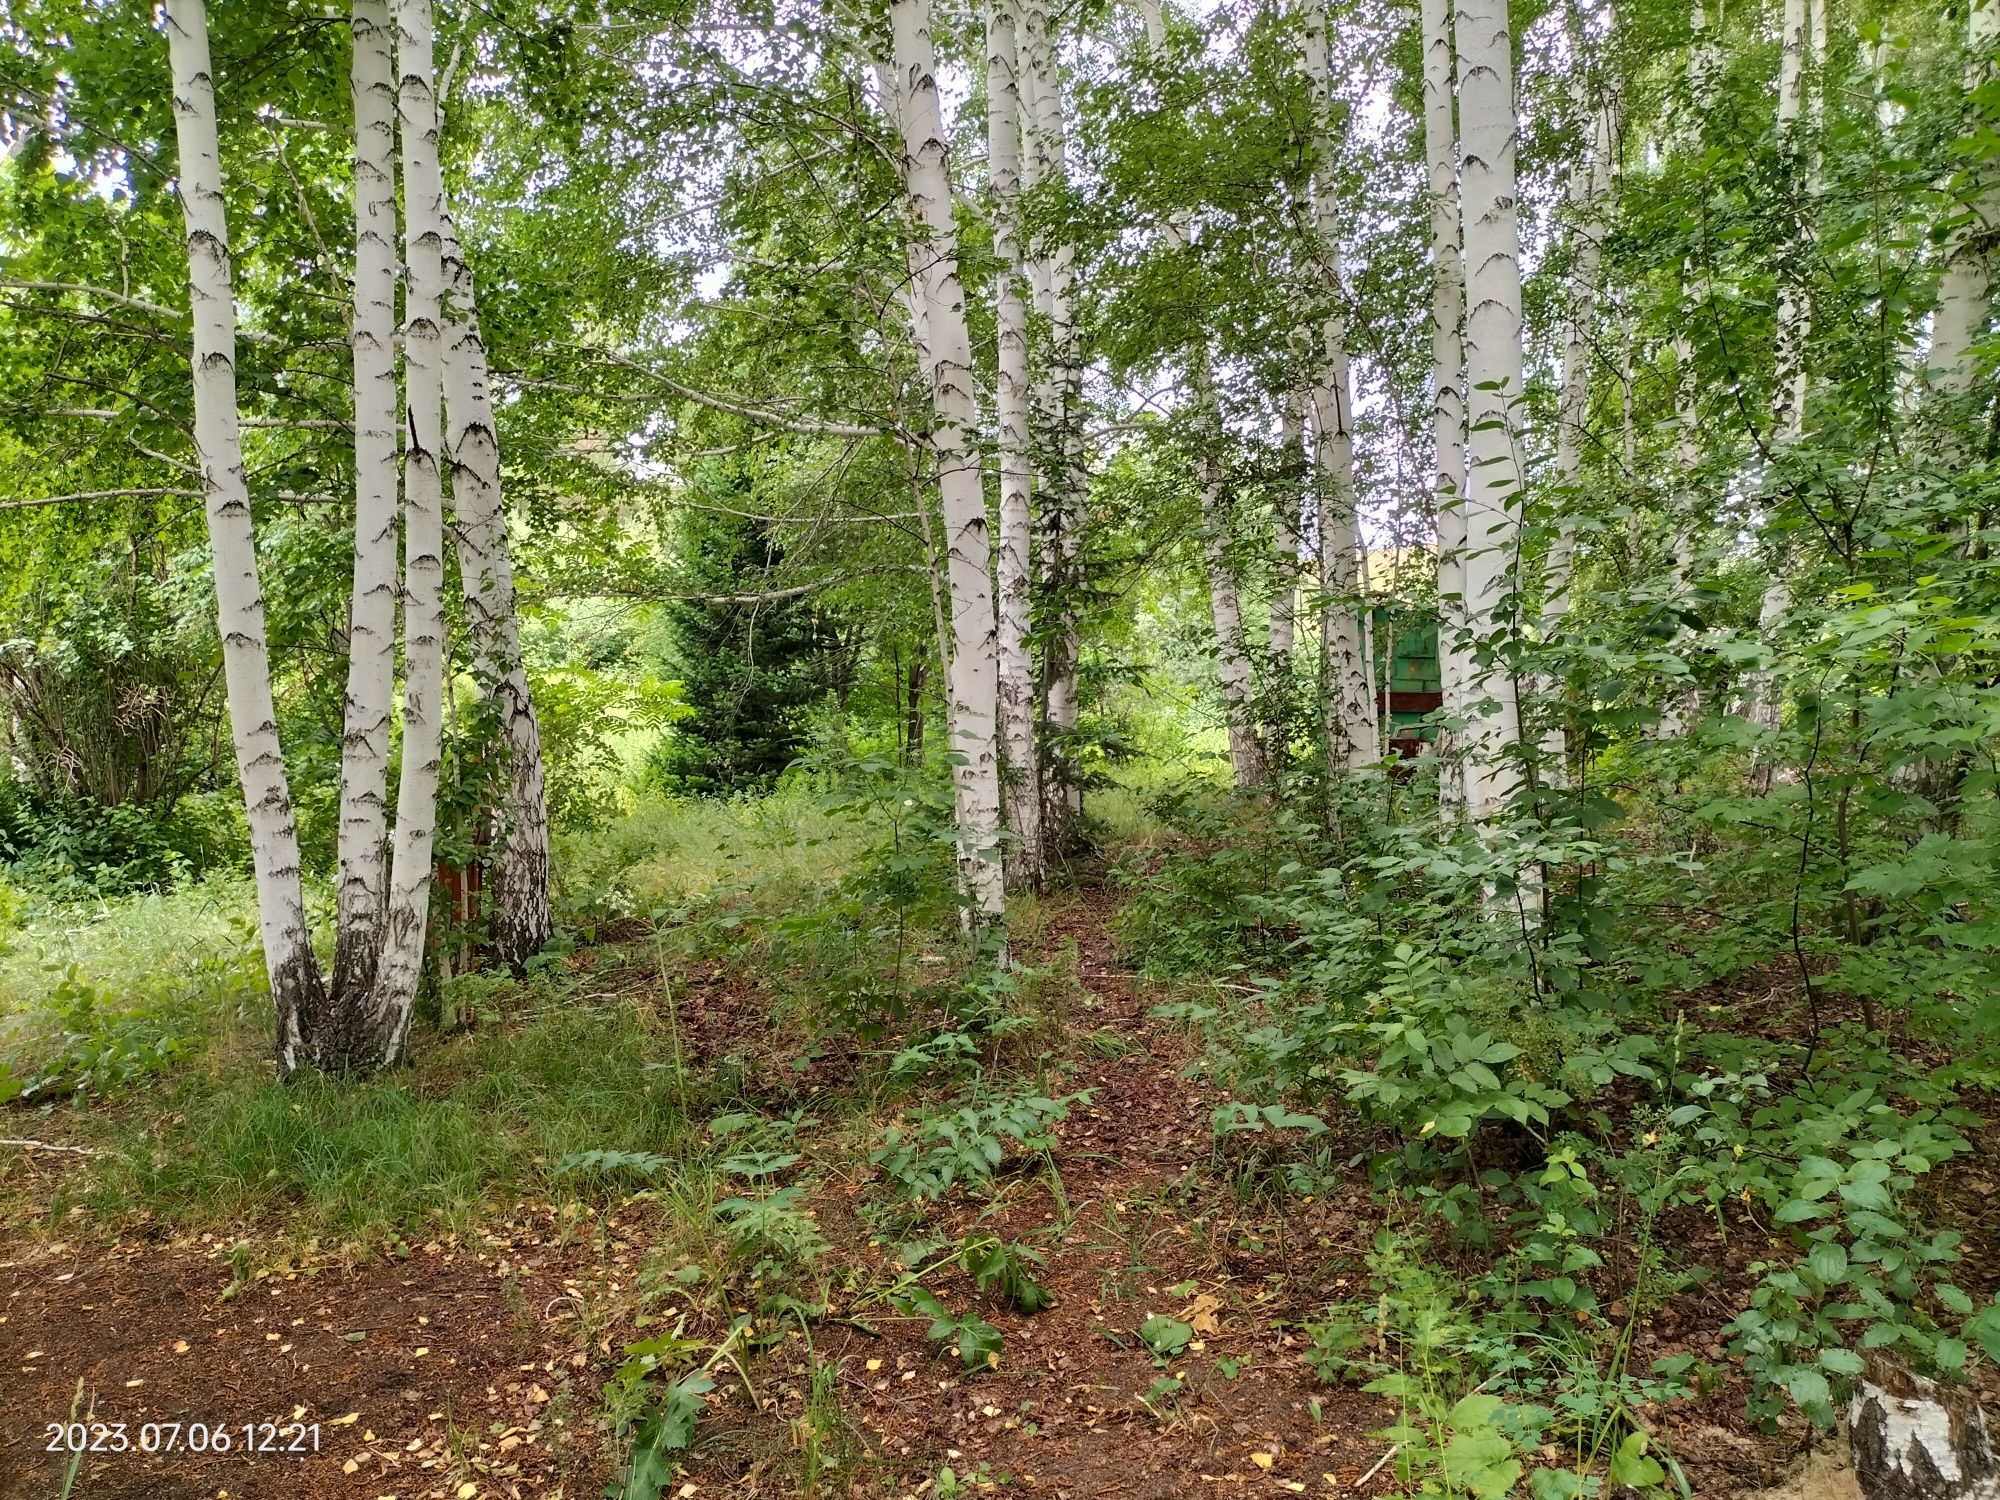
x=1915, y=1440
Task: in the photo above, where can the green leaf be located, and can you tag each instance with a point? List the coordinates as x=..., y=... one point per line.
x=1473, y=1412
x=1828, y=1262
x=1985, y=1330
x=1810, y=1390
x=978, y=1344
x=1867, y=1194
x=1559, y=1484
x=1798, y=1210
x=1839, y=1361
x=1165, y=1336
x=1630, y=1468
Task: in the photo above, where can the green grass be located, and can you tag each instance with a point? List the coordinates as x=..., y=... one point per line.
x=669, y=853
x=124, y=944
x=479, y=1121
x=155, y=1005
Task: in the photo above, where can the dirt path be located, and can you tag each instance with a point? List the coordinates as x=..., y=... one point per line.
x=412, y=1377
x=475, y=1368
x=1075, y=1410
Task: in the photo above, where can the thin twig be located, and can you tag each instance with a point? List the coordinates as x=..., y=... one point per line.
x=1394, y=1449
x=51, y=1146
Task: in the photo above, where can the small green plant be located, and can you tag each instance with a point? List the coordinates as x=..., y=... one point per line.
x=976, y=1340
x=1165, y=1336
x=933, y=1153
x=658, y=1415
x=1000, y=1268
x=610, y=1164
x=775, y=1231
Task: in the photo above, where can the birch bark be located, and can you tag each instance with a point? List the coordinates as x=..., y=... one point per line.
x=363, y=840
x=973, y=675
x=1058, y=397
x=519, y=889
x=1487, y=136
x=1346, y=703
x=1447, y=382
x=1022, y=774
x=297, y=993
x=1965, y=293
x=380, y=1038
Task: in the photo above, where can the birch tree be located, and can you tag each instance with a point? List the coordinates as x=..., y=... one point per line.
x=296, y=989
x=1487, y=135
x=1022, y=773
x=1789, y=354
x=1285, y=520
x=1965, y=293
x=378, y=1031
x=1225, y=603
x=1057, y=396
x=1590, y=184
x=519, y=889
x=1350, y=725
x=371, y=632
x=1447, y=377
x=1683, y=501
x=973, y=676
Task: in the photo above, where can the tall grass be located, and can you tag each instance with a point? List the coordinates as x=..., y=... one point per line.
x=121, y=944
x=480, y=1119
x=664, y=854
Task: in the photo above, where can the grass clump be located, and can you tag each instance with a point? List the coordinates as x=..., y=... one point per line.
x=482, y=1118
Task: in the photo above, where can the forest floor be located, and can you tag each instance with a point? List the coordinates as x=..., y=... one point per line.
x=475, y=1364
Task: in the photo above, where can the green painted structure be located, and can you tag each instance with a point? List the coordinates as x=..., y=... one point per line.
x=1407, y=673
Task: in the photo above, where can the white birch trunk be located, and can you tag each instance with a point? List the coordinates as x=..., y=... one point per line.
x=1765, y=703
x=1447, y=383
x=1487, y=137
x=296, y=991
x=1011, y=402
x=1232, y=655
x=1677, y=708
x=371, y=633
x=519, y=853
x=1058, y=396
x=1348, y=707
x=1965, y=294
x=973, y=675
x=1788, y=417
x=1285, y=536
x=1589, y=185
x=387, y=1028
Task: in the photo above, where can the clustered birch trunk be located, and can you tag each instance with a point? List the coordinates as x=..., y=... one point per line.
x=1012, y=402
x=385, y=870
x=946, y=349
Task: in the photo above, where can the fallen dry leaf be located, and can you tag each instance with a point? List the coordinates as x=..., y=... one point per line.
x=1200, y=1314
